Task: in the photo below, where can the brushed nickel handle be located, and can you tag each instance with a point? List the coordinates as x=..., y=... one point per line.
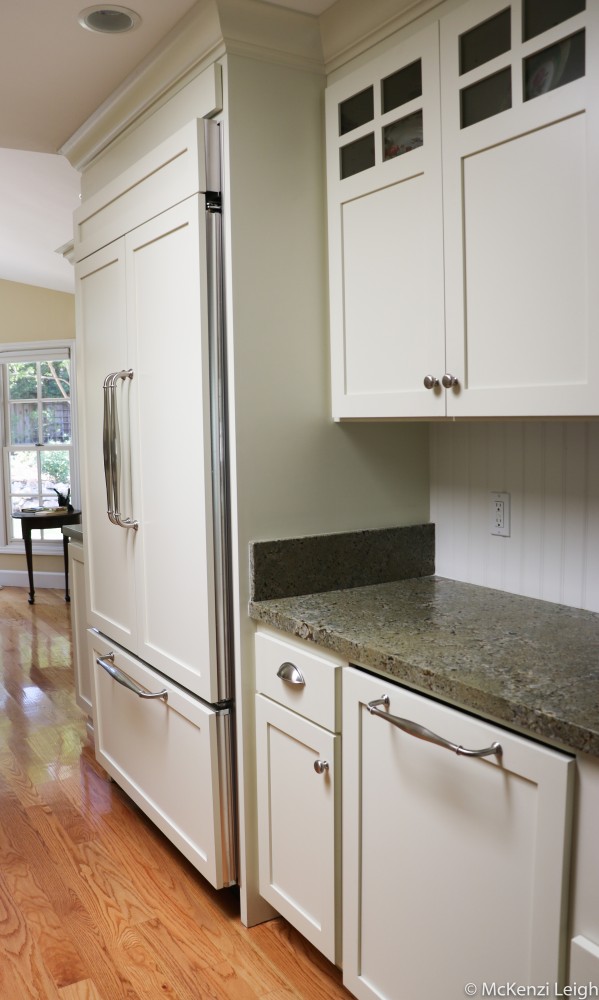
x=107, y=663
x=430, y=382
x=449, y=380
x=289, y=673
x=421, y=733
x=112, y=459
x=320, y=766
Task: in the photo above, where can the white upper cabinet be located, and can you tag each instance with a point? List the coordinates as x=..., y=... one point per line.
x=461, y=252
x=386, y=232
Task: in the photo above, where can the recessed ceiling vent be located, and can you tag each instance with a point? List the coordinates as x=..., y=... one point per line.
x=109, y=19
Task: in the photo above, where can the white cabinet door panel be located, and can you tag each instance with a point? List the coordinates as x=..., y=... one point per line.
x=297, y=822
x=167, y=304
x=101, y=319
x=454, y=867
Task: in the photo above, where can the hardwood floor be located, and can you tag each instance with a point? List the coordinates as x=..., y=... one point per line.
x=95, y=904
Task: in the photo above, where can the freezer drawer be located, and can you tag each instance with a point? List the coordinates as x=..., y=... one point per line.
x=171, y=754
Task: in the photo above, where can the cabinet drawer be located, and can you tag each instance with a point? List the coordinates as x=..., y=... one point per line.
x=170, y=756
x=316, y=694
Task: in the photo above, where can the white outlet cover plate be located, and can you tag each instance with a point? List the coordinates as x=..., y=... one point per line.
x=503, y=530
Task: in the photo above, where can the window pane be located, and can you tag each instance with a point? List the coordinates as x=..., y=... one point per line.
x=554, y=66
x=56, y=472
x=402, y=136
x=22, y=380
x=22, y=466
x=55, y=379
x=24, y=427
x=56, y=422
x=357, y=156
x=403, y=86
x=356, y=110
x=540, y=15
x=486, y=41
x=487, y=98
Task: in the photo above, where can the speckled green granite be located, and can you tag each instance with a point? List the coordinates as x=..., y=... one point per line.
x=530, y=665
x=344, y=559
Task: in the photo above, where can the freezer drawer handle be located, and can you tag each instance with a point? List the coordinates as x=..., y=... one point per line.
x=112, y=458
x=415, y=729
x=107, y=664
x=289, y=673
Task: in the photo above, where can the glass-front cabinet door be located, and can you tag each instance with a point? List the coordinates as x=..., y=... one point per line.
x=519, y=161
x=386, y=232
x=464, y=215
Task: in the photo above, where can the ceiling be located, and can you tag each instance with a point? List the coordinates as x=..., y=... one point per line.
x=53, y=75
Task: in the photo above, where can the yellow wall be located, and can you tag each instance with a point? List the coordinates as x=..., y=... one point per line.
x=29, y=313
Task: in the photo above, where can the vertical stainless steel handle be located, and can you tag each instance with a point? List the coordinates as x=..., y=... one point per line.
x=107, y=663
x=421, y=733
x=112, y=458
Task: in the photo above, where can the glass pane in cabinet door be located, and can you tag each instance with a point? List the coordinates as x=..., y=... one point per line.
x=540, y=15
x=486, y=98
x=554, y=66
x=402, y=136
x=401, y=87
x=486, y=41
x=357, y=156
x=356, y=110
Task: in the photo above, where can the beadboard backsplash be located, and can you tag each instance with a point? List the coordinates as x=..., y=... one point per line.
x=551, y=471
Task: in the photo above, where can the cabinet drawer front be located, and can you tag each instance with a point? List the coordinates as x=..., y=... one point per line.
x=318, y=697
x=169, y=756
x=297, y=822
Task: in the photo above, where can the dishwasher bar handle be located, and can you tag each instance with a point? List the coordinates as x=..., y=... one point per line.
x=421, y=733
x=107, y=663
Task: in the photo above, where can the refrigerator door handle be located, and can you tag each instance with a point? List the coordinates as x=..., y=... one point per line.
x=107, y=663
x=112, y=460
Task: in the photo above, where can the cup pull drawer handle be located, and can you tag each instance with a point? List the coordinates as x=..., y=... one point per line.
x=107, y=663
x=415, y=729
x=289, y=673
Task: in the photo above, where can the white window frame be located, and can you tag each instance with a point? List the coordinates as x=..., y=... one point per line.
x=37, y=351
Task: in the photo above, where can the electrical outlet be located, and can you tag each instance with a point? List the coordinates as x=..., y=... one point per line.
x=500, y=514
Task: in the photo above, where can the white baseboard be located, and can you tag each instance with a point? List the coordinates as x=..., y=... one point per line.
x=19, y=578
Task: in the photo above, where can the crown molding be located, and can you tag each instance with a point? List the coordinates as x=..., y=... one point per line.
x=351, y=27
x=210, y=30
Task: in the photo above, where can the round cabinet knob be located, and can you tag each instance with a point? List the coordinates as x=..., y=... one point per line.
x=430, y=382
x=449, y=381
x=320, y=766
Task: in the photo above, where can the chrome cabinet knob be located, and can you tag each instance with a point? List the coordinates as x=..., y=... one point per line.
x=449, y=381
x=430, y=382
x=320, y=766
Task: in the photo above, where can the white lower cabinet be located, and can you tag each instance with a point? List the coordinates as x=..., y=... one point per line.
x=455, y=868
x=298, y=772
x=167, y=753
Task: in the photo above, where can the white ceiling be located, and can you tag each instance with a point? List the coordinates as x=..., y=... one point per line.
x=53, y=76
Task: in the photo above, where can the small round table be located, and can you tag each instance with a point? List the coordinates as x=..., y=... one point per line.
x=31, y=521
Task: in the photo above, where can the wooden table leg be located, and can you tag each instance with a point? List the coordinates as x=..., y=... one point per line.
x=29, y=557
x=65, y=546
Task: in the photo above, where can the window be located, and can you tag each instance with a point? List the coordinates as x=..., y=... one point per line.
x=38, y=454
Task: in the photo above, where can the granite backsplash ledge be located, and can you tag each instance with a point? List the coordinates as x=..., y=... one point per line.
x=314, y=564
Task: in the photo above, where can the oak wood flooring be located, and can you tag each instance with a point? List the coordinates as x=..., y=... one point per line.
x=95, y=903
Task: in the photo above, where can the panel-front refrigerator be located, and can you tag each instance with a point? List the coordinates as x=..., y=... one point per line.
x=150, y=319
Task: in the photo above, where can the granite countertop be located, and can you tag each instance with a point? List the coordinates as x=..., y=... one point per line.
x=528, y=664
